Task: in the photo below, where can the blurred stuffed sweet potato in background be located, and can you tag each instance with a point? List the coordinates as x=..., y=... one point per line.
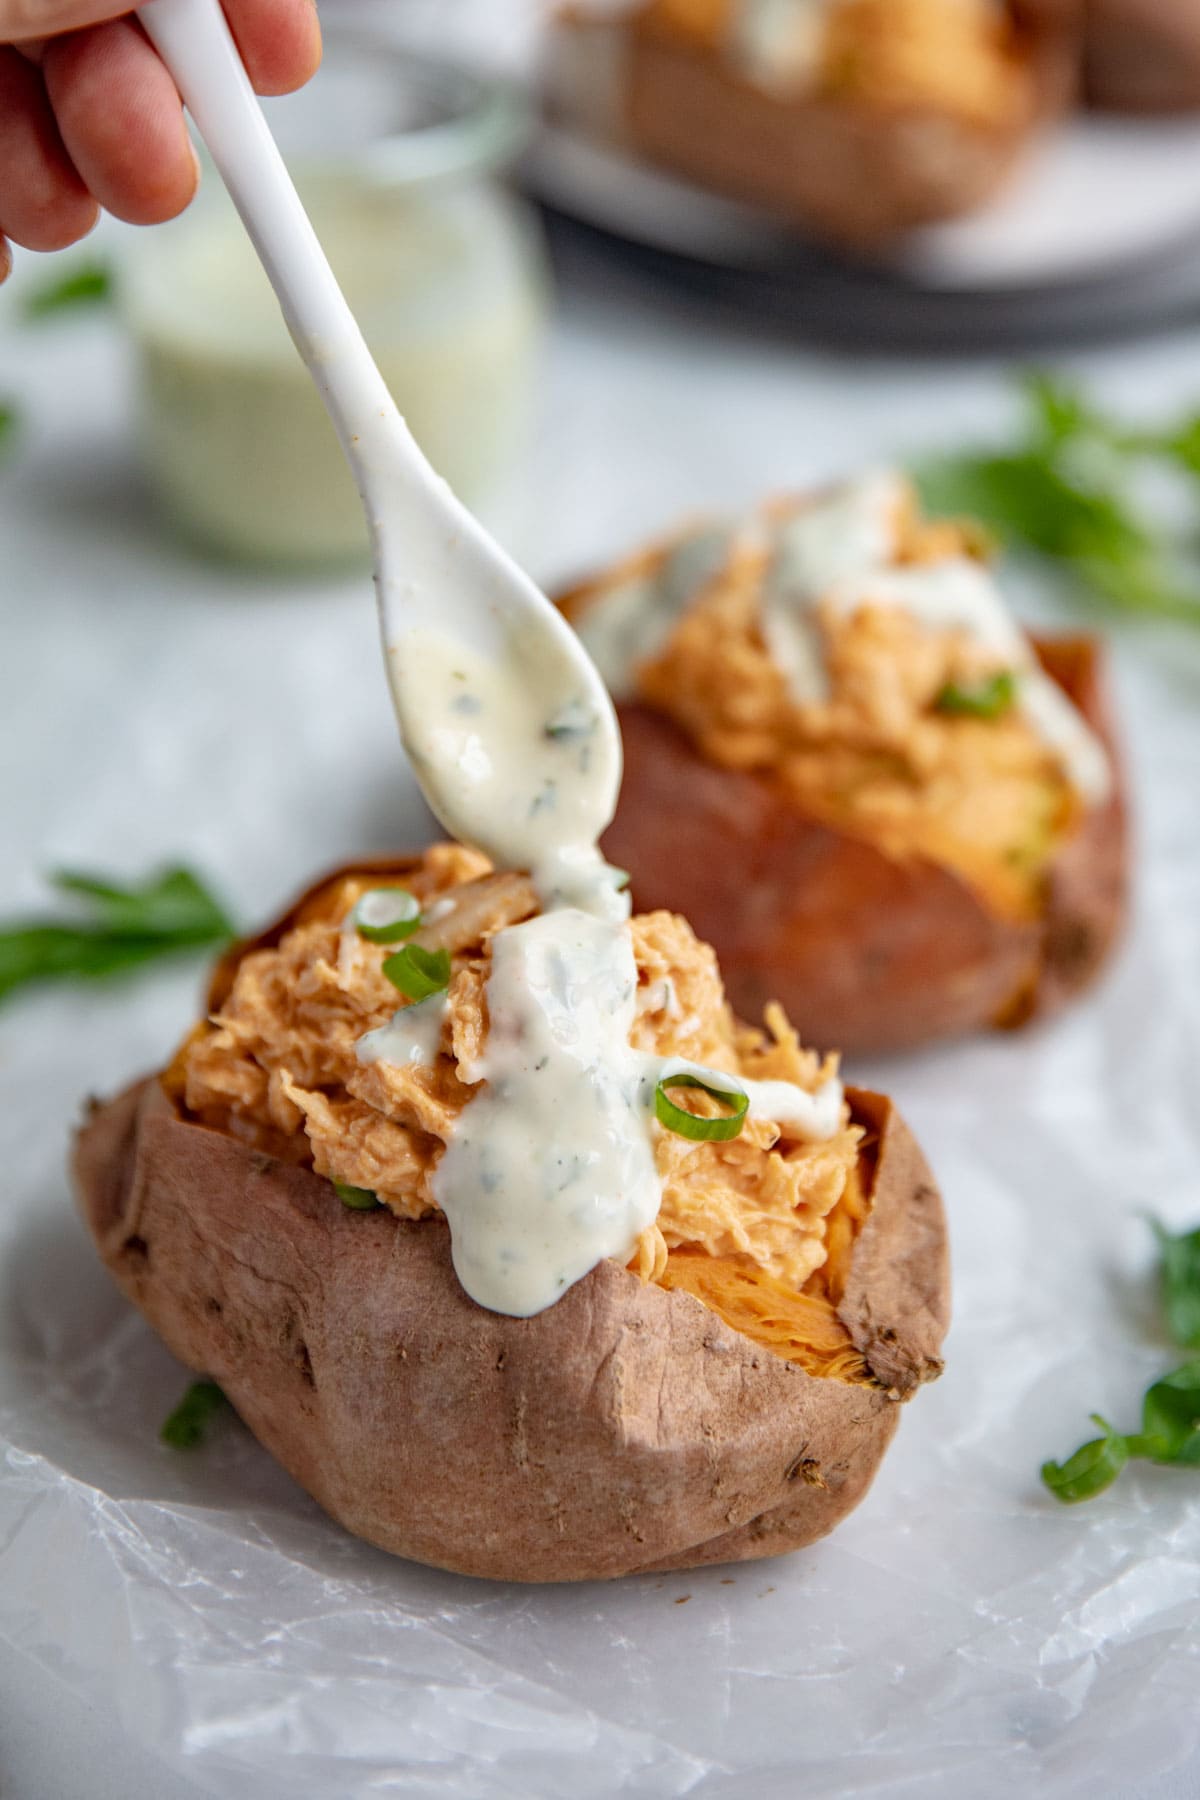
x=860, y=119
x=855, y=804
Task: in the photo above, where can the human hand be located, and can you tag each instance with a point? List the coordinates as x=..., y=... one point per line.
x=90, y=118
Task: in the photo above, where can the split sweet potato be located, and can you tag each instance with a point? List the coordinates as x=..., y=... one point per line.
x=626, y=1428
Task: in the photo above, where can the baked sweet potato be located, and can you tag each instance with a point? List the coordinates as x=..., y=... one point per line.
x=917, y=113
x=864, y=950
x=1142, y=55
x=830, y=794
x=626, y=1428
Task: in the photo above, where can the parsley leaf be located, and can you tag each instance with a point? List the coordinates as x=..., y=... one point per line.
x=1170, y=1431
x=188, y=1425
x=1094, y=1466
x=117, y=929
x=1181, y=1283
x=89, y=284
x=1064, y=492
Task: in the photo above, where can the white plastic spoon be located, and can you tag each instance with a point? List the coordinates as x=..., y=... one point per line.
x=441, y=581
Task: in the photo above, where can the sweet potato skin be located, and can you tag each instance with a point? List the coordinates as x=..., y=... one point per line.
x=625, y=1429
x=866, y=953
x=858, y=175
x=1142, y=55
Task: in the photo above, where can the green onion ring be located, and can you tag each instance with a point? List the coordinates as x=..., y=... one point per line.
x=989, y=698
x=401, y=915
x=357, y=1199
x=418, y=972
x=686, y=1124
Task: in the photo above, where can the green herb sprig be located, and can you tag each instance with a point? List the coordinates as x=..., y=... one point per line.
x=1063, y=491
x=1170, y=1432
x=10, y=420
x=1180, y=1283
x=87, y=284
x=188, y=1425
x=117, y=929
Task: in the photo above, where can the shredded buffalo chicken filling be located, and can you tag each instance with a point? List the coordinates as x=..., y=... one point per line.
x=744, y=1225
x=985, y=797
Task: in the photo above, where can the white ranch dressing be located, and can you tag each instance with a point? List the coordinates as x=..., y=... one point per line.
x=513, y=764
x=814, y=1117
x=551, y=1166
x=633, y=620
x=777, y=43
x=411, y=1036
x=853, y=528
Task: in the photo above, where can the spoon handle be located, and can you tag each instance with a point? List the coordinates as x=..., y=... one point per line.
x=195, y=43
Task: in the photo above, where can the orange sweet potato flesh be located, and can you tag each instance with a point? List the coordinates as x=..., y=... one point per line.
x=865, y=952
x=627, y=1428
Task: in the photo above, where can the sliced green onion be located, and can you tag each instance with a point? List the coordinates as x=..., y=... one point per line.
x=417, y=972
x=385, y=915
x=987, y=699
x=357, y=1199
x=686, y=1124
x=187, y=1425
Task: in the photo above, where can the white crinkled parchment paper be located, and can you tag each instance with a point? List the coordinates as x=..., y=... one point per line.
x=962, y=1635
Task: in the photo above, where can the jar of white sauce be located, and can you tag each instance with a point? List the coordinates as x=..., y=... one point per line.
x=396, y=160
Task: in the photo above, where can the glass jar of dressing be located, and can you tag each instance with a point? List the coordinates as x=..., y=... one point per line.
x=395, y=160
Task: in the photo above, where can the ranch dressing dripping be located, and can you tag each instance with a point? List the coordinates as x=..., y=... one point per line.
x=852, y=529
x=550, y=1167
x=633, y=620
x=513, y=763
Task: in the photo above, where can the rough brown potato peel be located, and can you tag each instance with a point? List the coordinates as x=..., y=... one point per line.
x=1142, y=55
x=626, y=1428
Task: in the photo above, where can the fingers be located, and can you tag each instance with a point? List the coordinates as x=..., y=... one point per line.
x=21, y=19
x=43, y=202
x=280, y=41
x=102, y=121
x=121, y=121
